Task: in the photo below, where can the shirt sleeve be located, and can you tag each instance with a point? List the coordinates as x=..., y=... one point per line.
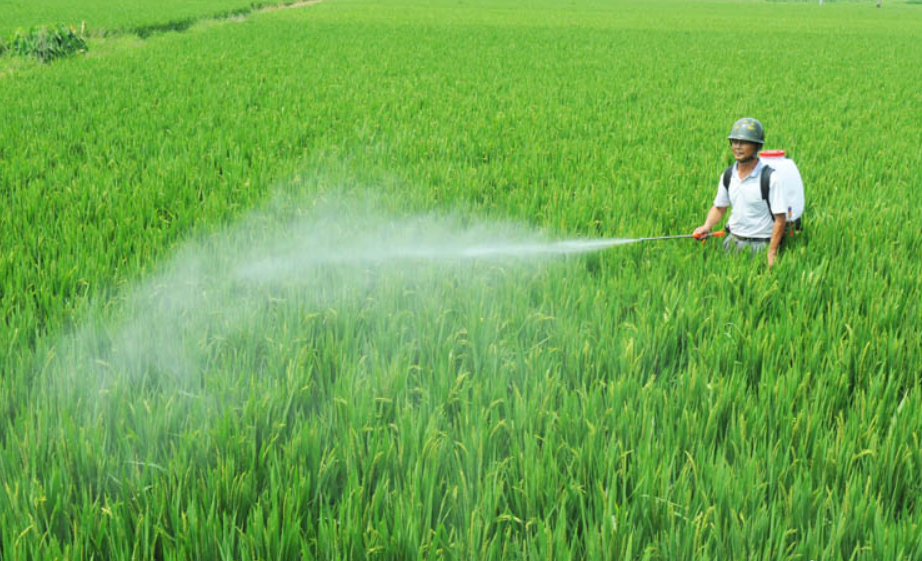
x=722, y=200
x=776, y=195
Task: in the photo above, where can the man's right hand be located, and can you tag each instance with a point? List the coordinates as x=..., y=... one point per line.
x=700, y=231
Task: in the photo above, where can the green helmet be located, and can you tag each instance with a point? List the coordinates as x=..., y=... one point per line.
x=748, y=129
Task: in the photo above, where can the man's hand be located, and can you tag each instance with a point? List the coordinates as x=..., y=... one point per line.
x=714, y=216
x=777, y=234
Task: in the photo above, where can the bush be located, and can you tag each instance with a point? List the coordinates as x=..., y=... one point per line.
x=47, y=43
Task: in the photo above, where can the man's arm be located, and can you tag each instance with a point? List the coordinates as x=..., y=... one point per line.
x=777, y=234
x=714, y=216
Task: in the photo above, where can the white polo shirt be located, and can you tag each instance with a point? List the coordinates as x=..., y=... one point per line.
x=750, y=217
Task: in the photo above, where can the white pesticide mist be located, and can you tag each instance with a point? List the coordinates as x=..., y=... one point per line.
x=375, y=241
x=163, y=335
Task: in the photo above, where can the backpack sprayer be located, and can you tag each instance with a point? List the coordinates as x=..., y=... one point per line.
x=793, y=186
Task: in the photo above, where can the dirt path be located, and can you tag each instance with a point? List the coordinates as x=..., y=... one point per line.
x=299, y=4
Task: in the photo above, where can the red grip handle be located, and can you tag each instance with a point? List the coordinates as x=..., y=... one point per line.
x=719, y=234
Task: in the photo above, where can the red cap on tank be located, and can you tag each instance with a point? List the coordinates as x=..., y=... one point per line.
x=772, y=153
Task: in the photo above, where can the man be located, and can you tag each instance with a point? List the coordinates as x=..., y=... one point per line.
x=756, y=222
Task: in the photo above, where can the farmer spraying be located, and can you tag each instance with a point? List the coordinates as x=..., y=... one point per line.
x=757, y=221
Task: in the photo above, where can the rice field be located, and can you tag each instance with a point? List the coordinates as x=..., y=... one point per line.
x=236, y=323
x=105, y=17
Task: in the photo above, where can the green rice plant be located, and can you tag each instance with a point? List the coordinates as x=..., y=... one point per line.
x=653, y=401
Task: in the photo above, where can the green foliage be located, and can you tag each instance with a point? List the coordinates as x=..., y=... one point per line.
x=48, y=43
x=659, y=401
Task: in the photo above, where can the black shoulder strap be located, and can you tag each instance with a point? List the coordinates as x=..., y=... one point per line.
x=727, y=173
x=766, y=183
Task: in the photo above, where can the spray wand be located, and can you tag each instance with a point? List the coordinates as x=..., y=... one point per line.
x=702, y=237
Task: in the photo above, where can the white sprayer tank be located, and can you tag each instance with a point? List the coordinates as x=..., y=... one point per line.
x=790, y=177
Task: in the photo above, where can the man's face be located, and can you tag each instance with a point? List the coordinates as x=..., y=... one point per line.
x=743, y=150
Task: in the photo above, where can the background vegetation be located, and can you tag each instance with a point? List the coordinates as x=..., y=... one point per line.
x=650, y=402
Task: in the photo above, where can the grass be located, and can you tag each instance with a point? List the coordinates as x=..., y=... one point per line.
x=649, y=402
x=104, y=16
x=46, y=44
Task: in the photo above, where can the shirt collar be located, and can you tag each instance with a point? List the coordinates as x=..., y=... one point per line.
x=755, y=171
